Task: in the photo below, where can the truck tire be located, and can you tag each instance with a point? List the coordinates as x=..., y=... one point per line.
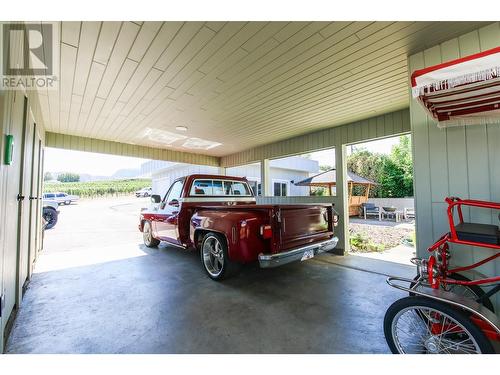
x=147, y=235
x=50, y=216
x=215, y=259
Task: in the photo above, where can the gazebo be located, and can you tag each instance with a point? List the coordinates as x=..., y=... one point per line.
x=328, y=179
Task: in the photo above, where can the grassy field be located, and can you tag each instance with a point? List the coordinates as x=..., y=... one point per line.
x=97, y=188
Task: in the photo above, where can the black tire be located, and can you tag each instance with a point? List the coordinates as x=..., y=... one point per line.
x=147, y=235
x=50, y=216
x=405, y=305
x=218, y=267
x=67, y=203
x=472, y=290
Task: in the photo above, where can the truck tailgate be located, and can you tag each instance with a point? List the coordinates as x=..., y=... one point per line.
x=304, y=224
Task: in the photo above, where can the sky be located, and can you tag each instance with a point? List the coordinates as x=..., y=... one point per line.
x=58, y=160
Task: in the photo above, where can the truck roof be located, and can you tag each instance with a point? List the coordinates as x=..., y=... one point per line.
x=214, y=176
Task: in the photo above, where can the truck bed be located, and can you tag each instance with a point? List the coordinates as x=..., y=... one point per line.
x=293, y=225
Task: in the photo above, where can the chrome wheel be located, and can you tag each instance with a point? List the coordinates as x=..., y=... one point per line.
x=213, y=256
x=147, y=234
x=424, y=330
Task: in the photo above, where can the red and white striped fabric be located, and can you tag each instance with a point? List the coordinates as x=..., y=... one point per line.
x=465, y=91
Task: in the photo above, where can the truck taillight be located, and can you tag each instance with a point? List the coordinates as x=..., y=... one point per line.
x=266, y=231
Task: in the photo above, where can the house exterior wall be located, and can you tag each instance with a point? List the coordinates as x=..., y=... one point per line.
x=164, y=178
x=457, y=161
x=286, y=170
x=15, y=217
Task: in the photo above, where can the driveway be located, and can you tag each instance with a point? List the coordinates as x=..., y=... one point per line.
x=97, y=289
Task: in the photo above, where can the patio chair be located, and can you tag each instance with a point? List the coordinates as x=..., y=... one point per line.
x=409, y=213
x=369, y=209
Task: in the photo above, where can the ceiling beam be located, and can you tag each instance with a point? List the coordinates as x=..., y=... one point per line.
x=76, y=143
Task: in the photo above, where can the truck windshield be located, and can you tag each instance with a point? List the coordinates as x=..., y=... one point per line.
x=220, y=188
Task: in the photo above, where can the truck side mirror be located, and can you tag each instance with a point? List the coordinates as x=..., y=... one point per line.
x=174, y=203
x=155, y=198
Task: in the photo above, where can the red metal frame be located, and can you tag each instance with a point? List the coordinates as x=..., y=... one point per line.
x=441, y=247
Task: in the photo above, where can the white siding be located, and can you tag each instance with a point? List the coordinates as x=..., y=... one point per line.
x=71, y=142
x=388, y=125
x=164, y=178
x=11, y=116
x=458, y=161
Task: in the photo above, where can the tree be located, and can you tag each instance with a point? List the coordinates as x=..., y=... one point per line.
x=402, y=158
x=368, y=165
x=397, y=175
x=393, y=172
x=68, y=177
x=48, y=176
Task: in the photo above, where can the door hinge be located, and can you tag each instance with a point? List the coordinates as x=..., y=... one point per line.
x=2, y=303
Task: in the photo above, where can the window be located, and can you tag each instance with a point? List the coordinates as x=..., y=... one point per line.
x=202, y=187
x=60, y=195
x=220, y=188
x=175, y=191
x=255, y=186
x=280, y=189
x=217, y=187
x=48, y=196
x=236, y=188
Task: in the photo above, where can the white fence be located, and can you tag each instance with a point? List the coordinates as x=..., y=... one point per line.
x=399, y=203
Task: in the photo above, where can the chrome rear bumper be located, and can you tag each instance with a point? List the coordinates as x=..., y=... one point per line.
x=279, y=259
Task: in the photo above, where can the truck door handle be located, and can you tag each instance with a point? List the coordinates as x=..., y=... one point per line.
x=31, y=198
x=20, y=197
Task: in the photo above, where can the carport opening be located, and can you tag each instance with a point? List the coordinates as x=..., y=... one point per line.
x=98, y=198
x=310, y=174
x=380, y=198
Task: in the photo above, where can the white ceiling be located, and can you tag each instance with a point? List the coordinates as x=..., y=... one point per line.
x=235, y=85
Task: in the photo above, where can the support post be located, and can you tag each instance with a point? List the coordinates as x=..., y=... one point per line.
x=264, y=178
x=341, y=206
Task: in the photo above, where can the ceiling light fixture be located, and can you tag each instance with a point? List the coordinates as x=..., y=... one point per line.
x=181, y=128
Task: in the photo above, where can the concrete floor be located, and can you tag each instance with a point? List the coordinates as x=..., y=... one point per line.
x=97, y=289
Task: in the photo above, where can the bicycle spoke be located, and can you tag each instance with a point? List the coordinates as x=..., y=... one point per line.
x=414, y=331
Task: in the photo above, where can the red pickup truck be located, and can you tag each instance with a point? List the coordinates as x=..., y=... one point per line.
x=218, y=215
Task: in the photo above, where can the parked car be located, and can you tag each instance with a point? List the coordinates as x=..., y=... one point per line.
x=145, y=192
x=218, y=215
x=61, y=198
x=50, y=212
